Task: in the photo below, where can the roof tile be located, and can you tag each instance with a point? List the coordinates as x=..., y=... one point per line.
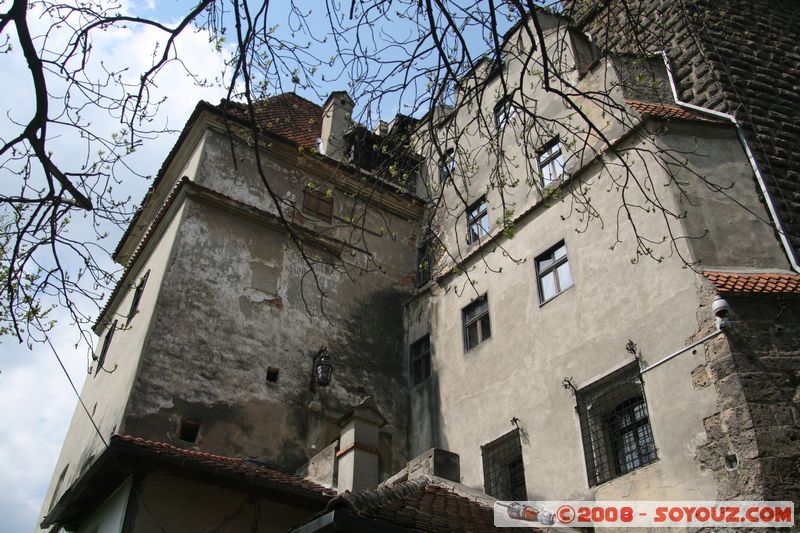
x=232, y=464
x=287, y=115
x=421, y=504
x=659, y=110
x=767, y=283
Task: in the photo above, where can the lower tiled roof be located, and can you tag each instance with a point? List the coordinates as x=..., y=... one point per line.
x=421, y=504
x=233, y=465
x=767, y=283
x=666, y=111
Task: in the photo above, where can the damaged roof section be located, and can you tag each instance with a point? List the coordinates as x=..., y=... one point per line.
x=422, y=504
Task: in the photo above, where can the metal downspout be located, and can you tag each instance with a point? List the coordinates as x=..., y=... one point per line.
x=759, y=178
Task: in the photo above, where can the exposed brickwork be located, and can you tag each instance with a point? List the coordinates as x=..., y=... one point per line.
x=736, y=56
x=753, y=444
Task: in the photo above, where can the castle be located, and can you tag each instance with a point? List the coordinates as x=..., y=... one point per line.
x=493, y=301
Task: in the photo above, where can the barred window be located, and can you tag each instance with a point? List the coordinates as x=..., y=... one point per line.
x=420, y=359
x=318, y=204
x=615, y=426
x=551, y=163
x=503, y=470
x=477, y=220
x=476, y=322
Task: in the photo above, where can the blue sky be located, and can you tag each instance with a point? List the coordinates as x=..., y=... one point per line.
x=36, y=401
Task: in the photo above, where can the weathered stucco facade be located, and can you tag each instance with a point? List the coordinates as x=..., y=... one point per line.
x=648, y=219
x=473, y=394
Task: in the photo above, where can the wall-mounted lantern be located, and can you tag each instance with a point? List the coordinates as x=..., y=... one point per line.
x=321, y=369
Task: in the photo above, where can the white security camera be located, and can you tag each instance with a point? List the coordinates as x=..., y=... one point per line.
x=720, y=307
x=721, y=311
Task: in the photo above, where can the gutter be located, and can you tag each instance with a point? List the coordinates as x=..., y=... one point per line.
x=787, y=246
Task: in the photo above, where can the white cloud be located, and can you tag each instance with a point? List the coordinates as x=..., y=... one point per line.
x=36, y=401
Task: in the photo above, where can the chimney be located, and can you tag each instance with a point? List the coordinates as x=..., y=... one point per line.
x=336, y=117
x=382, y=128
x=358, y=447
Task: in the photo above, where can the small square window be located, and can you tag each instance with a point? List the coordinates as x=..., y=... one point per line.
x=553, y=272
x=189, y=429
x=318, y=204
x=475, y=317
x=420, y=360
x=272, y=374
x=504, y=112
x=503, y=470
x=137, y=295
x=101, y=359
x=551, y=163
x=615, y=426
x=423, y=264
x=477, y=221
x=447, y=165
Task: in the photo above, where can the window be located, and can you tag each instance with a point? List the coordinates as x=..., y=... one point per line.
x=420, y=360
x=551, y=163
x=553, y=273
x=106, y=343
x=615, y=426
x=318, y=204
x=503, y=112
x=503, y=471
x=189, y=429
x=447, y=165
x=137, y=295
x=477, y=221
x=476, y=322
x=423, y=264
x=57, y=490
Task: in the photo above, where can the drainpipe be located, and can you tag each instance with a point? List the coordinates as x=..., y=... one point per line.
x=759, y=178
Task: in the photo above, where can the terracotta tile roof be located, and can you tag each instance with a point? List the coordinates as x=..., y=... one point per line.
x=287, y=115
x=659, y=110
x=755, y=283
x=421, y=504
x=233, y=465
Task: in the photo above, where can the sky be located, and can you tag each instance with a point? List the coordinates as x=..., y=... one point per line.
x=36, y=400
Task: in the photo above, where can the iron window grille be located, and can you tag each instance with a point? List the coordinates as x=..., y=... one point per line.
x=137, y=295
x=615, y=426
x=447, y=165
x=503, y=112
x=503, y=470
x=101, y=359
x=318, y=204
x=420, y=360
x=551, y=163
x=477, y=220
x=423, y=264
x=476, y=322
x=553, y=273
